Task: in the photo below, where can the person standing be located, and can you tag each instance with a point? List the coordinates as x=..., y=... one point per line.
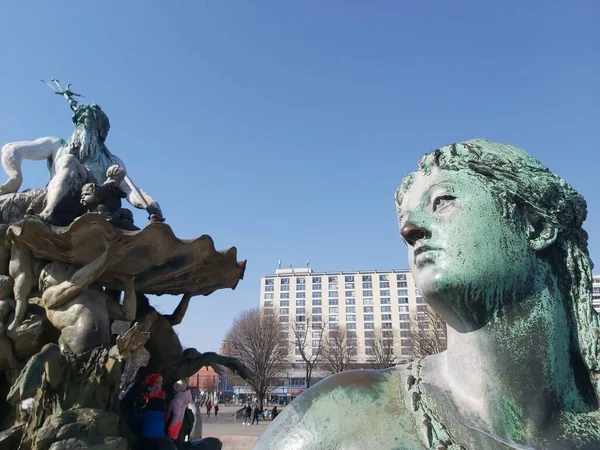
x=247, y=414
x=176, y=410
x=256, y=414
x=208, y=408
x=216, y=409
x=153, y=435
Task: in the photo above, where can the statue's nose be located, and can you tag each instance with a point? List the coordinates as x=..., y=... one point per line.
x=412, y=233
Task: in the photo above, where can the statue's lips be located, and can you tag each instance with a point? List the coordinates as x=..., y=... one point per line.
x=423, y=253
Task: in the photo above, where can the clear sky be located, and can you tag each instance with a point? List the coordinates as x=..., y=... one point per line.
x=284, y=127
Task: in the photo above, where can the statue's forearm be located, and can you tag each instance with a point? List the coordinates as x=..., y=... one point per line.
x=12, y=159
x=14, y=153
x=92, y=271
x=177, y=317
x=146, y=203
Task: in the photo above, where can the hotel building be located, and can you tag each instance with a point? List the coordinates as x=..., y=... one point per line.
x=362, y=301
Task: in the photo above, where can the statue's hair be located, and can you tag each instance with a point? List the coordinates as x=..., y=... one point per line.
x=90, y=133
x=527, y=190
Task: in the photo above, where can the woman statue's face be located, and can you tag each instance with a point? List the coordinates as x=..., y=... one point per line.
x=462, y=254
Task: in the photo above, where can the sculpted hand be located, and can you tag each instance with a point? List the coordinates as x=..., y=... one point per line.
x=154, y=213
x=240, y=368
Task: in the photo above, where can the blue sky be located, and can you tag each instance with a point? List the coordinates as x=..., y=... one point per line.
x=284, y=127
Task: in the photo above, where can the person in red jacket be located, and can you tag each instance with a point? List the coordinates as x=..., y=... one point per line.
x=177, y=406
x=153, y=415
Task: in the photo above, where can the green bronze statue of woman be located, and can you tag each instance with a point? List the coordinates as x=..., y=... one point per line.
x=496, y=247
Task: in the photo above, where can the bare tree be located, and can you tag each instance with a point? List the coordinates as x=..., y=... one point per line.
x=428, y=333
x=310, y=349
x=383, y=349
x=255, y=339
x=340, y=350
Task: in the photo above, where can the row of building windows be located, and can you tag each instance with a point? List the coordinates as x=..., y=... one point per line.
x=368, y=335
x=334, y=279
x=349, y=301
x=316, y=307
x=333, y=292
x=334, y=287
x=333, y=320
x=385, y=304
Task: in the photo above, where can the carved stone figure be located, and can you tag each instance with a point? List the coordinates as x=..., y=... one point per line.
x=75, y=242
x=80, y=312
x=16, y=260
x=84, y=158
x=7, y=306
x=105, y=199
x=496, y=247
x=167, y=355
x=83, y=313
x=78, y=400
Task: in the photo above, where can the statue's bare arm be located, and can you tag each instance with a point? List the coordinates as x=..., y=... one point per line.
x=147, y=319
x=147, y=203
x=14, y=153
x=23, y=270
x=56, y=296
x=125, y=311
x=177, y=317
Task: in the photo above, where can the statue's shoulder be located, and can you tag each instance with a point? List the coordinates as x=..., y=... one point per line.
x=350, y=410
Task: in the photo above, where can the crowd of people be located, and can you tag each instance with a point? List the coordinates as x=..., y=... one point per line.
x=254, y=412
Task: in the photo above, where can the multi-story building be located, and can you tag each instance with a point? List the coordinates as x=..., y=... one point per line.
x=362, y=302
x=596, y=292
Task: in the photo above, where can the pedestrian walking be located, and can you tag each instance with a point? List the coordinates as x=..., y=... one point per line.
x=216, y=409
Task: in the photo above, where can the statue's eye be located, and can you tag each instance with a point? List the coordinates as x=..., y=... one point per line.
x=442, y=201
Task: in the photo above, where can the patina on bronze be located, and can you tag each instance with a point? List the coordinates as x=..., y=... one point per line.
x=496, y=247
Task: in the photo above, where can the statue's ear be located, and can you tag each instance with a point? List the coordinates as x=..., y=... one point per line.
x=542, y=238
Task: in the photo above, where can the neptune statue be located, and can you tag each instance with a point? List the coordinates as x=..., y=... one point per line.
x=84, y=158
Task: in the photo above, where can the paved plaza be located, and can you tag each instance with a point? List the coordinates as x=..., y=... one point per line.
x=233, y=434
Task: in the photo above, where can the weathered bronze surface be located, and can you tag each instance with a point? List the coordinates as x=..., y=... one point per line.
x=68, y=253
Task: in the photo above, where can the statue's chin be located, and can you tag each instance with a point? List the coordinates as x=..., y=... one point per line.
x=432, y=281
x=444, y=293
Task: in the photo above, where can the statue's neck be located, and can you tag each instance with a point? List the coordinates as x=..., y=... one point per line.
x=517, y=370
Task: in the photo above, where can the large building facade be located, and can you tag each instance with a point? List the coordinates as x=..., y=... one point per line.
x=362, y=302
x=596, y=293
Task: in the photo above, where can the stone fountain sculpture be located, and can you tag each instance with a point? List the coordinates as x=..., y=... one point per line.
x=496, y=247
x=67, y=254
